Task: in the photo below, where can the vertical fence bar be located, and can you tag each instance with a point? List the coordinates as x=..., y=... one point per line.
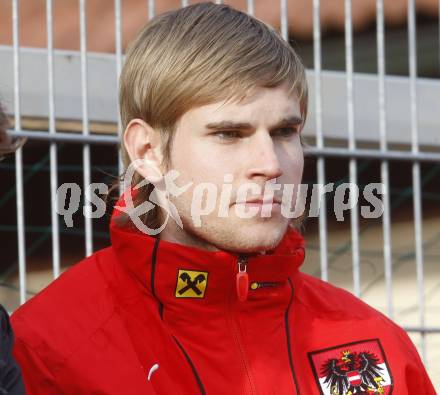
x=319, y=138
x=384, y=168
x=418, y=230
x=284, y=20
x=151, y=9
x=85, y=126
x=118, y=55
x=351, y=146
x=18, y=156
x=250, y=7
x=53, y=146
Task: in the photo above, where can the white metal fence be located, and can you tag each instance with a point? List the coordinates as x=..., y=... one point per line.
x=82, y=86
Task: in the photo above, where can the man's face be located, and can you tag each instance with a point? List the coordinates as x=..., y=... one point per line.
x=254, y=141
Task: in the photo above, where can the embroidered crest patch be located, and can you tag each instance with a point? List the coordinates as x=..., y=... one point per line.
x=191, y=284
x=353, y=368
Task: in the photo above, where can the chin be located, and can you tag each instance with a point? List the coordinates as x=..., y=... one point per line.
x=263, y=241
x=248, y=238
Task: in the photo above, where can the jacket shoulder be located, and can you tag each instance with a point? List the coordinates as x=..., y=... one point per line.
x=326, y=299
x=70, y=309
x=335, y=305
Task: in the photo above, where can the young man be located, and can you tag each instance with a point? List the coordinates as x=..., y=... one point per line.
x=188, y=300
x=11, y=381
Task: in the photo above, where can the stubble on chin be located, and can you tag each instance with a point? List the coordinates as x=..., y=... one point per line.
x=238, y=236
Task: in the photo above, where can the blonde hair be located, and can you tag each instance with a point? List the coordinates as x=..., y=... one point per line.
x=197, y=55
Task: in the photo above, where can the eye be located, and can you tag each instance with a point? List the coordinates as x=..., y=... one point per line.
x=285, y=132
x=227, y=134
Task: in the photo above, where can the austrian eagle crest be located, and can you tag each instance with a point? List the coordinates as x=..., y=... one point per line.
x=355, y=368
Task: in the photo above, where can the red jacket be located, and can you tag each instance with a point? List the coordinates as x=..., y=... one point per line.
x=146, y=316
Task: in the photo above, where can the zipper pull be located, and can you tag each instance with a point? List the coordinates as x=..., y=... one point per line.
x=242, y=280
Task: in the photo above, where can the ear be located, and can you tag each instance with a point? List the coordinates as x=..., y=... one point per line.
x=143, y=145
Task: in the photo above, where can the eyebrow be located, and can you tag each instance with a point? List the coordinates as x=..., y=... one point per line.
x=289, y=121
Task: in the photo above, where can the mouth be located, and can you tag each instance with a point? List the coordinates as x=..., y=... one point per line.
x=265, y=207
x=260, y=201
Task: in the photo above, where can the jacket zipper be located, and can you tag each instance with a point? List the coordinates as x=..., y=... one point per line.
x=242, y=279
x=241, y=282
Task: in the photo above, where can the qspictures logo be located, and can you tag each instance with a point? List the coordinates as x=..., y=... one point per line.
x=246, y=200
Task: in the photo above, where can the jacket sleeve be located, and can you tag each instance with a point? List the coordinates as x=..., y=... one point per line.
x=417, y=379
x=11, y=381
x=37, y=378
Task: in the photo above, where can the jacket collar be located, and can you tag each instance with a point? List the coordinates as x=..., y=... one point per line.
x=159, y=265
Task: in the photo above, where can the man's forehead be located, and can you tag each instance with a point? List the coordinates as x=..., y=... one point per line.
x=271, y=105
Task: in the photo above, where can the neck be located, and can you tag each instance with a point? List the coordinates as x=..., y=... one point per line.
x=175, y=234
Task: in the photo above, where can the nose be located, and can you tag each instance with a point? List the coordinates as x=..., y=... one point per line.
x=264, y=161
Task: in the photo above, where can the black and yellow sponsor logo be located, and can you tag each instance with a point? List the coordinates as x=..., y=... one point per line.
x=191, y=284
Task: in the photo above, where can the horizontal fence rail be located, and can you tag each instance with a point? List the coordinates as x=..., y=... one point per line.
x=358, y=153
x=102, y=96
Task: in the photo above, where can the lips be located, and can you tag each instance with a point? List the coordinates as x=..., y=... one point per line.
x=261, y=201
x=268, y=207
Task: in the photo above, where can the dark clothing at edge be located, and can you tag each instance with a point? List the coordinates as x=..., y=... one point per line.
x=11, y=382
